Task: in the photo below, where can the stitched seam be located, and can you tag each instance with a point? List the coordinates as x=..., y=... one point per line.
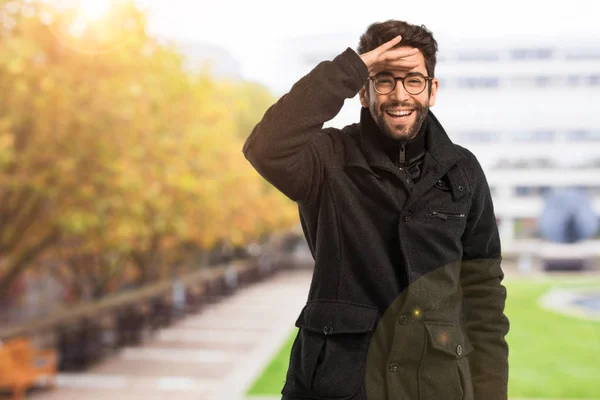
x=340, y=244
x=335, y=301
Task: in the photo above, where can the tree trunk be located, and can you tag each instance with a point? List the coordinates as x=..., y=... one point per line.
x=17, y=266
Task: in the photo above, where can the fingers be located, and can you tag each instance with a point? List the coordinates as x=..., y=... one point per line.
x=386, y=57
x=399, y=53
x=402, y=64
x=389, y=44
x=397, y=60
x=399, y=67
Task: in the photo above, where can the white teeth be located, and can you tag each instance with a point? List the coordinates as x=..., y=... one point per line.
x=399, y=113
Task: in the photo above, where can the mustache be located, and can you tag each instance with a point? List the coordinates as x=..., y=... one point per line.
x=405, y=104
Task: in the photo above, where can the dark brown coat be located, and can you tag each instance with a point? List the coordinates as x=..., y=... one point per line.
x=406, y=300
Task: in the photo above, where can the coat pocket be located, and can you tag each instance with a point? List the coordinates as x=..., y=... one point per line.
x=329, y=354
x=442, y=372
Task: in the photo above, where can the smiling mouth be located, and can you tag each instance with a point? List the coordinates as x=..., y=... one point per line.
x=399, y=114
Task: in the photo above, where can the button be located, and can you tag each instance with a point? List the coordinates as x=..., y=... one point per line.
x=407, y=180
x=401, y=169
x=393, y=367
x=461, y=188
x=403, y=320
x=442, y=185
x=459, y=349
x=328, y=330
x=407, y=217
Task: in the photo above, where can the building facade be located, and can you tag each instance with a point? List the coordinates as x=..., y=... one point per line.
x=527, y=108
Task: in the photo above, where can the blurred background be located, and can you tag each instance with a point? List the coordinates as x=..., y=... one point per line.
x=140, y=254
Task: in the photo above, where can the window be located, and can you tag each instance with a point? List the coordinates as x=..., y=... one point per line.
x=575, y=80
x=531, y=54
x=542, y=81
x=478, y=82
x=534, y=136
x=538, y=81
x=527, y=191
x=583, y=54
x=522, y=191
x=594, y=80
x=582, y=135
x=479, y=55
x=478, y=136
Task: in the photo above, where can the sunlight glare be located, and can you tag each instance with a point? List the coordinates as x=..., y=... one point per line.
x=95, y=9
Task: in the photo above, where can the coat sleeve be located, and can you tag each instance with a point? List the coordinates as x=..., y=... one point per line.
x=287, y=147
x=483, y=294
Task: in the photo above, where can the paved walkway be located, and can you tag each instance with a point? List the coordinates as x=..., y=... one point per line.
x=216, y=354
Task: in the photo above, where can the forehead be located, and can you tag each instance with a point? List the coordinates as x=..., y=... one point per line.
x=415, y=58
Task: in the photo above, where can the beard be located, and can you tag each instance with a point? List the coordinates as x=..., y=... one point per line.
x=400, y=131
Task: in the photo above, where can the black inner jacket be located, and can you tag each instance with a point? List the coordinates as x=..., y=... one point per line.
x=413, y=149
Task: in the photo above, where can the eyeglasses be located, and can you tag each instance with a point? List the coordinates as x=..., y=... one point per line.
x=413, y=83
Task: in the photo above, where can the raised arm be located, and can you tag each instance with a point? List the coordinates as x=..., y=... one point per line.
x=288, y=147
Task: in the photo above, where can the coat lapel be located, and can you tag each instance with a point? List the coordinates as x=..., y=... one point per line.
x=441, y=156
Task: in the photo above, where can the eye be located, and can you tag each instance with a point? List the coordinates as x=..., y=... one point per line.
x=415, y=81
x=384, y=80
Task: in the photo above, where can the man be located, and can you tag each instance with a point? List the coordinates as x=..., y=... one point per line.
x=406, y=300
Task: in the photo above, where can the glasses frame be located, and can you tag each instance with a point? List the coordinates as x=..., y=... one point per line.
x=401, y=79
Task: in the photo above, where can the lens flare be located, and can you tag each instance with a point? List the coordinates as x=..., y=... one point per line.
x=91, y=26
x=95, y=10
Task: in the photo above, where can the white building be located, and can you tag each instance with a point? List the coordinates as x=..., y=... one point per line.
x=528, y=108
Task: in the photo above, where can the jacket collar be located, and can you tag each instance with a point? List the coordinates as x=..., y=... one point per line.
x=378, y=145
x=432, y=136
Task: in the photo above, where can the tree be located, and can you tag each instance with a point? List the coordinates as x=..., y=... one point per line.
x=111, y=153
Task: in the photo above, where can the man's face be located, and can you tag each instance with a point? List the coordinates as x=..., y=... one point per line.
x=383, y=107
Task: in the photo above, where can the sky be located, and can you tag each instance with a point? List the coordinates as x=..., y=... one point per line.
x=234, y=22
x=252, y=30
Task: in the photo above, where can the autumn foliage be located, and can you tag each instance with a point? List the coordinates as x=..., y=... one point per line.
x=113, y=155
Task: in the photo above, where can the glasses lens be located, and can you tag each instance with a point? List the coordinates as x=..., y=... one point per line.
x=414, y=84
x=384, y=84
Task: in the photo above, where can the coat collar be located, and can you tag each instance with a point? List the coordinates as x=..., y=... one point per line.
x=433, y=136
x=378, y=146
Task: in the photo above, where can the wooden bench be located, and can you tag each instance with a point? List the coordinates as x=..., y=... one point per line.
x=22, y=366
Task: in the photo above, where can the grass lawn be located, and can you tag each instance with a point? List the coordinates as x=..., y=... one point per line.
x=551, y=355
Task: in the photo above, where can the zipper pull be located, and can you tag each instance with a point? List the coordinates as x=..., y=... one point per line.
x=439, y=215
x=402, y=154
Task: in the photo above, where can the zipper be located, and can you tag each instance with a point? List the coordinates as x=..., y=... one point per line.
x=402, y=154
x=445, y=216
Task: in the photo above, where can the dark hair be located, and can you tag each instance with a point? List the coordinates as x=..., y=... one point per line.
x=412, y=35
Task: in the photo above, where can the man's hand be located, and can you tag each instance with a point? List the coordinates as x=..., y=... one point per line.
x=384, y=58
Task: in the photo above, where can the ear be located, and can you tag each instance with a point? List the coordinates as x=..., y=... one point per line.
x=434, y=88
x=364, y=97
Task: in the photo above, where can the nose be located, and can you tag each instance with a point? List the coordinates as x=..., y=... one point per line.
x=399, y=93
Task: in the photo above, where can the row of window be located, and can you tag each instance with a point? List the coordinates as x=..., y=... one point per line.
x=486, y=55
x=539, y=81
x=540, y=135
x=528, y=228
x=522, y=54
x=525, y=191
x=537, y=191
